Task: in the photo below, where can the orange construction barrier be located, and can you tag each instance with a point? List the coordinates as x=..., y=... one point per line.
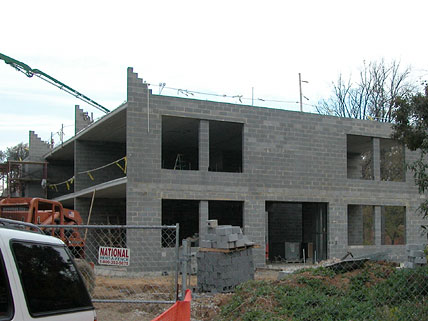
x=180, y=311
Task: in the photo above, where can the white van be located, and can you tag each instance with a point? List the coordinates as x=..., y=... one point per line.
x=39, y=279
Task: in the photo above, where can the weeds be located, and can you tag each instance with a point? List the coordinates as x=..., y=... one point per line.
x=376, y=292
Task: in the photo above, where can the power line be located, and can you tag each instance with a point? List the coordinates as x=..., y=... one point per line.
x=189, y=93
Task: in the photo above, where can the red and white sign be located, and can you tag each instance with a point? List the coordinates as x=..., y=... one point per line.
x=113, y=256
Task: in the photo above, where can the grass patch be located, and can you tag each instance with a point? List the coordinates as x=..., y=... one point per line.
x=375, y=292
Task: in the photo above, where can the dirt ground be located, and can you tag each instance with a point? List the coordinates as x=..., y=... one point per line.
x=204, y=306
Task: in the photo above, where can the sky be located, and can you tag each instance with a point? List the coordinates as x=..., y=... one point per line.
x=220, y=47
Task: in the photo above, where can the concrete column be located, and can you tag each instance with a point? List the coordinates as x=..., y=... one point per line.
x=376, y=159
x=203, y=218
x=378, y=225
x=254, y=227
x=204, y=143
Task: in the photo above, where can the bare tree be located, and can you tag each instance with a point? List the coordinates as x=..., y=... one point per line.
x=372, y=96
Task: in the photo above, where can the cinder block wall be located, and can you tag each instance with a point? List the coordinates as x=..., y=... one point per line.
x=287, y=156
x=82, y=119
x=91, y=155
x=104, y=211
x=36, y=149
x=58, y=172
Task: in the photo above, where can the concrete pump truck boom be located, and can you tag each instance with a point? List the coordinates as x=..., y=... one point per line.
x=29, y=72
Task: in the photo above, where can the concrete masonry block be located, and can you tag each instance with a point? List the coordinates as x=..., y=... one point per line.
x=211, y=230
x=232, y=237
x=212, y=223
x=205, y=244
x=225, y=245
x=211, y=237
x=420, y=260
x=416, y=253
x=409, y=265
x=222, y=238
x=240, y=243
x=416, y=247
x=236, y=229
x=224, y=230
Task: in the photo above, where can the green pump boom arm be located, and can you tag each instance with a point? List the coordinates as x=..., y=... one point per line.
x=29, y=72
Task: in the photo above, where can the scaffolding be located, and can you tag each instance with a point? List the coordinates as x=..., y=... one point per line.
x=16, y=175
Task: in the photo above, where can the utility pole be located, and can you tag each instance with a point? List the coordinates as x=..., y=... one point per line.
x=61, y=134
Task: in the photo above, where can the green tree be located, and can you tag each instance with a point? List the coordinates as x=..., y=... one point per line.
x=411, y=128
x=371, y=95
x=18, y=153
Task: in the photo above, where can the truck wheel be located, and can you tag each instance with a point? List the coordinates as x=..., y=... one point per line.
x=88, y=274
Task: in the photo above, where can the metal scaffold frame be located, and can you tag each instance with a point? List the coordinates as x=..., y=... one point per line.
x=13, y=177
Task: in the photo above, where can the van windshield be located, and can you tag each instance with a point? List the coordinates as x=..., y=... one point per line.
x=50, y=280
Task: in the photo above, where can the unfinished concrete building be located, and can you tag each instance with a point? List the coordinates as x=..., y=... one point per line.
x=292, y=181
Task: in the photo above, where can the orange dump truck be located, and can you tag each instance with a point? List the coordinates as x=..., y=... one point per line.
x=41, y=211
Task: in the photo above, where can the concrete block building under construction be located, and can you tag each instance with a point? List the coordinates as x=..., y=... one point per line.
x=292, y=181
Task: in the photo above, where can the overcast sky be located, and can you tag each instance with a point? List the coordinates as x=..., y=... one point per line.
x=222, y=47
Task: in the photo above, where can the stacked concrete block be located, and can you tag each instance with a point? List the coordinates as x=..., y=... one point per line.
x=223, y=271
x=225, y=258
x=415, y=255
x=224, y=237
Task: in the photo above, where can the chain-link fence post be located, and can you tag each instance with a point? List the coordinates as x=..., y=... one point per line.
x=177, y=255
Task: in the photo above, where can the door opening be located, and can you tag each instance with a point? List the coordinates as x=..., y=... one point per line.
x=296, y=232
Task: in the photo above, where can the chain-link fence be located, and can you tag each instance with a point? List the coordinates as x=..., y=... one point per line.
x=127, y=269
x=352, y=289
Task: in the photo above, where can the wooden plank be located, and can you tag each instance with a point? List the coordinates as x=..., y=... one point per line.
x=205, y=249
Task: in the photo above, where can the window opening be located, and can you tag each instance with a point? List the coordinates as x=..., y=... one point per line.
x=392, y=164
x=361, y=228
x=360, y=157
x=226, y=212
x=183, y=212
x=393, y=225
x=180, y=143
x=225, y=146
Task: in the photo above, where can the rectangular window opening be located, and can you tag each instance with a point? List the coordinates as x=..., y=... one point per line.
x=226, y=212
x=180, y=143
x=393, y=225
x=225, y=140
x=392, y=164
x=359, y=157
x=183, y=212
x=361, y=227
